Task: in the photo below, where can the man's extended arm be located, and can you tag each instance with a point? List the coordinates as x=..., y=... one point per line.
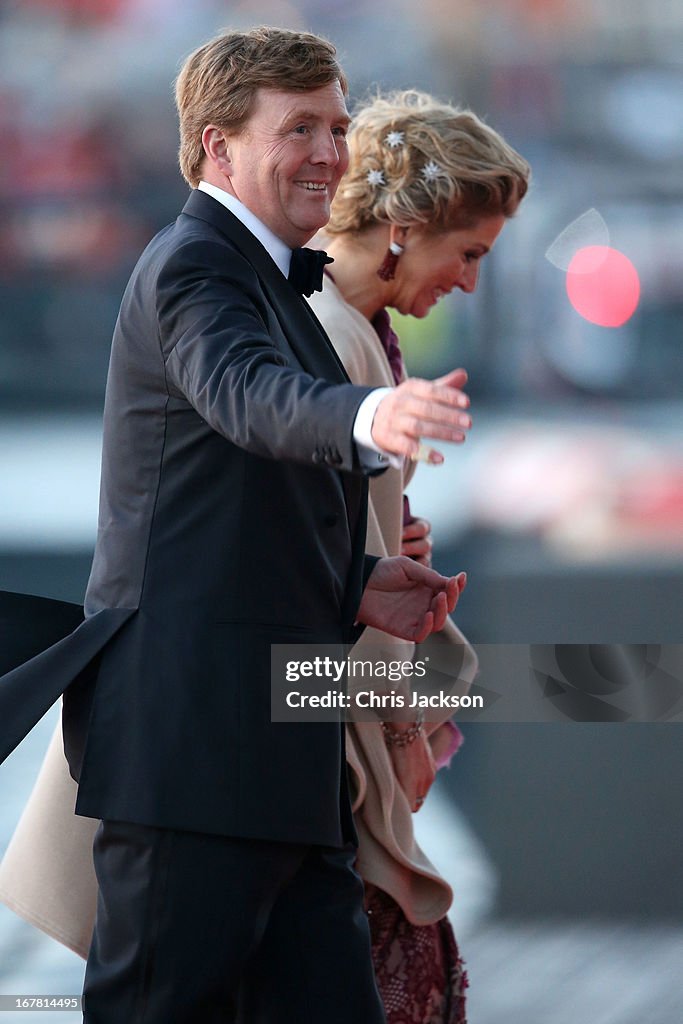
x=220, y=355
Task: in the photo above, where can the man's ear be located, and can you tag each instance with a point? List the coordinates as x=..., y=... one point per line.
x=215, y=143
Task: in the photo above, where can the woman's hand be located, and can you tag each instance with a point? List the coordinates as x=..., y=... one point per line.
x=413, y=766
x=416, y=541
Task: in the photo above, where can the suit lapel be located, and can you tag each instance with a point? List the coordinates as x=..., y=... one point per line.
x=301, y=327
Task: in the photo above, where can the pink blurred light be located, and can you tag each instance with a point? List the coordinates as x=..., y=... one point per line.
x=603, y=285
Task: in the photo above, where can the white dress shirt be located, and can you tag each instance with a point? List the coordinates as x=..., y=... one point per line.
x=370, y=455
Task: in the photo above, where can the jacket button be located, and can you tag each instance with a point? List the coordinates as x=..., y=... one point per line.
x=331, y=520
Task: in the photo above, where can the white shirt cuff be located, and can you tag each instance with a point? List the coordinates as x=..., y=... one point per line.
x=370, y=455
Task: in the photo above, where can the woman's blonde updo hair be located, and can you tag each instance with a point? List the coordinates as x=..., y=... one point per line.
x=433, y=164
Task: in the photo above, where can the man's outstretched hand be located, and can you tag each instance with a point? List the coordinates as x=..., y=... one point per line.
x=407, y=599
x=422, y=408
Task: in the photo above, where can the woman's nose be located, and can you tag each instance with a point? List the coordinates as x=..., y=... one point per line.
x=468, y=278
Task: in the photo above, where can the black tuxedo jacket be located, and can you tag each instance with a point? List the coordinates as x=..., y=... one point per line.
x=232, y=516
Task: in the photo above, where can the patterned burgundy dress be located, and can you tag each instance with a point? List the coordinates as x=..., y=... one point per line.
x=419, y=972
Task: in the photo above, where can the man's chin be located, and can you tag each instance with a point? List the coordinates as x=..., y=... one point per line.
x=308, y=232
x=317, y=223
x=315, y=217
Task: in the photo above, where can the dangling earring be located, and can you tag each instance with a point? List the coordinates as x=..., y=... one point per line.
x=387, y=269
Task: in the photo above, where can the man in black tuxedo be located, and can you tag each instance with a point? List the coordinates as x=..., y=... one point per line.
x=232, y=517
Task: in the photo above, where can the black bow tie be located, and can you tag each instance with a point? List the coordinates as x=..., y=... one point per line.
x=306, y=270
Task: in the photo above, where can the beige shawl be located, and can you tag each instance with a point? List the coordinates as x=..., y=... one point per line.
x=388, y=854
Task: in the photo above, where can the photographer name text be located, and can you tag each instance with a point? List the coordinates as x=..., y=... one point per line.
x=369, y=699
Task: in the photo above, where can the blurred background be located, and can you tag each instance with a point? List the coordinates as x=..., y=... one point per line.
x=562, y=842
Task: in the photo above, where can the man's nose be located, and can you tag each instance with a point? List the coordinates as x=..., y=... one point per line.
x=326, y=149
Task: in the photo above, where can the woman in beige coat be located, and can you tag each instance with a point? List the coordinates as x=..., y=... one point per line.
x=427, y=192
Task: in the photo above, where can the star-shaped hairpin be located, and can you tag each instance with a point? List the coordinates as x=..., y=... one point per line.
x=394, y=139
x=375, y=178
x=431, y=171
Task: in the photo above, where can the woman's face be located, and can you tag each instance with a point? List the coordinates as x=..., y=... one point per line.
x=432, y=265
